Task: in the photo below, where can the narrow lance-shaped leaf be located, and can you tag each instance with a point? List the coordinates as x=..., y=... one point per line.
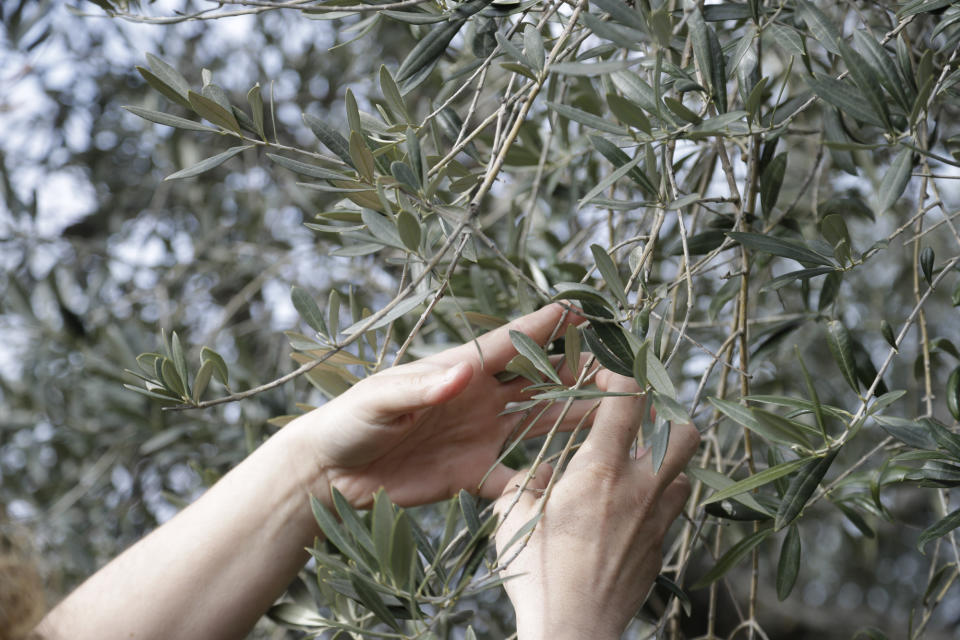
x=362, y=156
x=409, y=229
x=255, y=100
x=305, y=305
x=732, y=557
x=681, y=111
x=405, y=175
x=887, y=331
x=668, y=408
x=788, y=567
x=333, y=312
x=609, y=273
x=637, y=90
x=168, y=120
x=834, y=229
x=215, y=113
x=736, y=412
x=822, y=28
x=883, y=65
x=307, y=169
x=770, y=182
x=511, y=50
x=830, y=289
x=867, y=81
x=220, y=371
x=168, y=74
x=381, y=527
x=468, y=507
x=757, y=480
x=171, y=379
x=717, y=481
x=592, y=68
x=165, y=88
x=839, y=341
x=701, y=47
x=768, y=425
x=330, y=138
x=331, y=530
x=525, y=345
x=425, y=54
x=606, y=357
x=953, y=393
x=657, y=375
x=628, y=113
x=660, y=439
x=618, y=158
x=372, y=601
x=392, y=95
x=609, y=180
x=414, y=154
x=780, y=247
x=675, y=589
x=718, y=71
x=844, y=96
x=353, y=112
x=353, y=522
x=403, y=549
x=516, y=67
x=522, y=366
x=812, y=392
x=799, y=274
x=640, y=365
x=209, y=163
x=201, y=380
x=622, y=13
x=217, y=94
x=801, y=488
x=780, y=429
x=586, y=118
x=179, y=360
x=895, y=179
x=533, y=46
x=939, y=529
x=926, y=264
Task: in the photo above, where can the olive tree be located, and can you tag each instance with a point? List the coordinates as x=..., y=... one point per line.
x=753, y=205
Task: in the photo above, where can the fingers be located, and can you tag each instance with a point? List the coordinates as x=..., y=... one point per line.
x=518, y=389
x=618, y=418
x=414, y=387
x=672, y=501
x=684, y=441
x=579, y=409
x=496, y=347
x=504, y=481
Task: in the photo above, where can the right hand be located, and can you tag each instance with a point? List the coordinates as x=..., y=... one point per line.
x=595, y=553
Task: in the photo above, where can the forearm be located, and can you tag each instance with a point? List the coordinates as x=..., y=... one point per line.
x=215, y=568
x=538, y=620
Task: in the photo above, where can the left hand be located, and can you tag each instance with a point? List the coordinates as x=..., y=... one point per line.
x=427, y=429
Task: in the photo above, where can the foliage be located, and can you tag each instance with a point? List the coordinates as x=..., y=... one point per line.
x=752, y=202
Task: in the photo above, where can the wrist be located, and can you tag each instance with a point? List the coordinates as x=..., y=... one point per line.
x=559, y=629
x=304, y=464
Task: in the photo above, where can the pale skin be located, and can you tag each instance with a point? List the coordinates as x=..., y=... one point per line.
x=596, y=551
x=423, y=431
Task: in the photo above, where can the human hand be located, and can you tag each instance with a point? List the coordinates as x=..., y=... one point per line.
x=427, y=429
x=596, y=551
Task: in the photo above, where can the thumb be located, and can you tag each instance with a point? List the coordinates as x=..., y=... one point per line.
x=403, y=393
